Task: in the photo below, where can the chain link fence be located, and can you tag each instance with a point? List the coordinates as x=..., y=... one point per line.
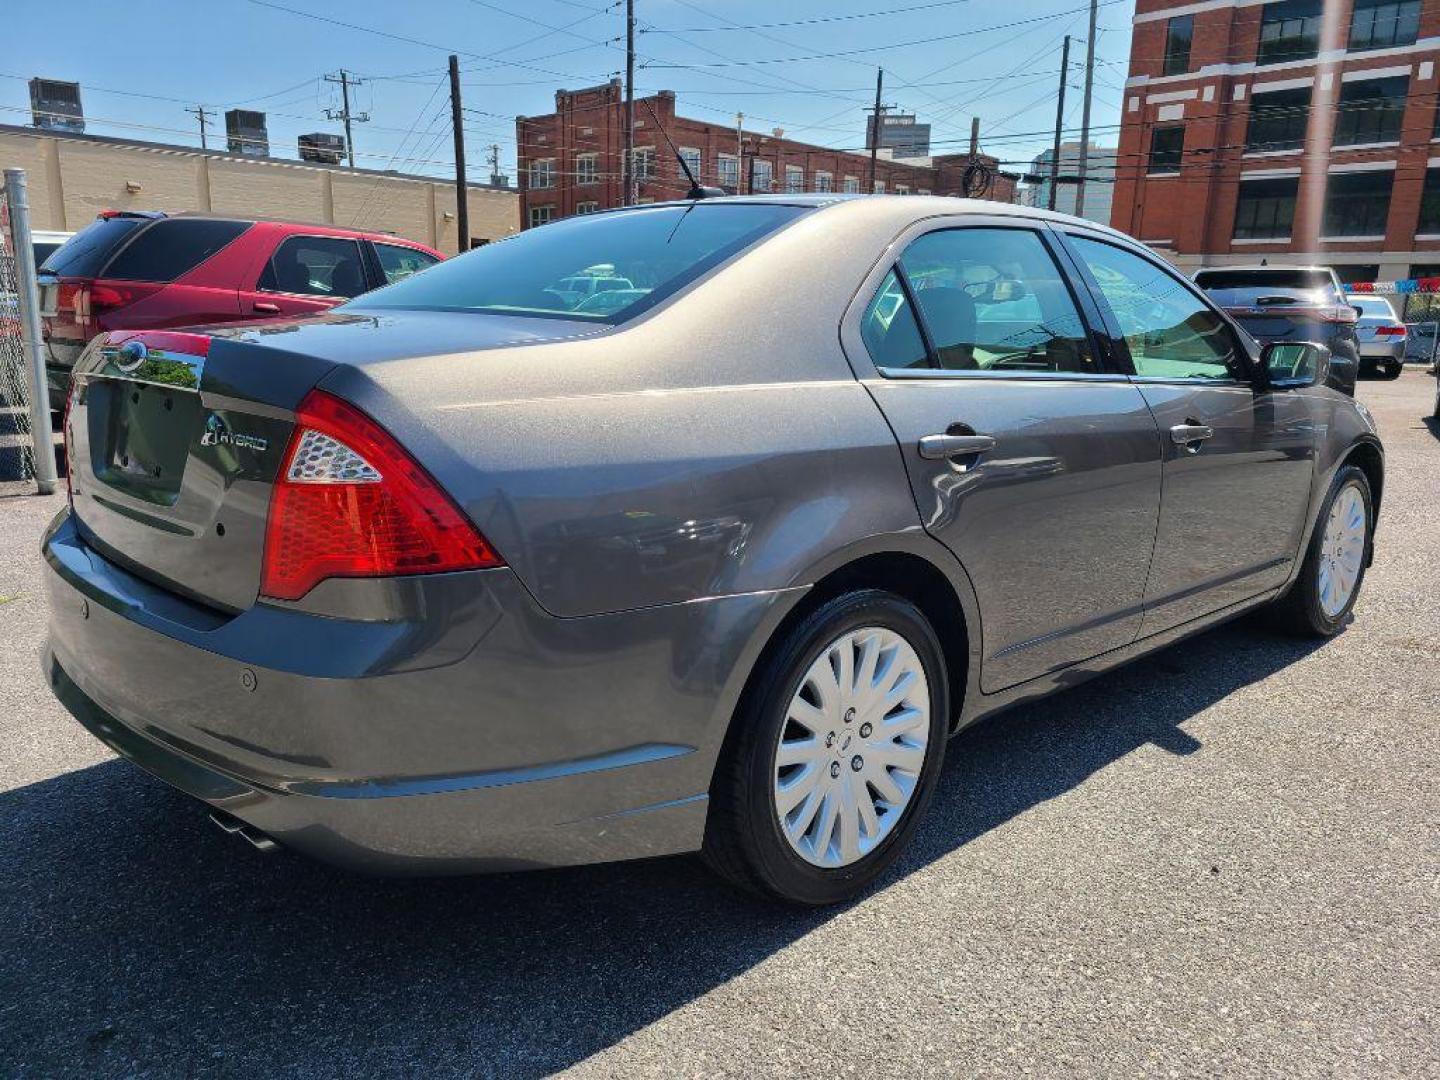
x=17, y=456
x=27, y=444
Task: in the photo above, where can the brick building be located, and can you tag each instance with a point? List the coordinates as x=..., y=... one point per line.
x=1296, y=130
x=569, y=160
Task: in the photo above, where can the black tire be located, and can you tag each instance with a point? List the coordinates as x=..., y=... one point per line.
x=1436, y=411
x=1299, y=611
x=743, y=839
x=1392, y=371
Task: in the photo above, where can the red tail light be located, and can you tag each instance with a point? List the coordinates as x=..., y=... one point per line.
x=350, y=502
x=1390, y=331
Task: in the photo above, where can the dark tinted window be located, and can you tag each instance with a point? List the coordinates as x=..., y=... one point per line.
x=1357, y=204
x=1243, y=288
x=891, y=334
x=1289, y=30
x=1371, y=110
x=993, y=300
x=654, y=251
x=1381, y=24
x=44, y=250
x=1265, y=209
x=1167, y=147
x=398, y=263
x=327, y=266
x=85, y=253
x=171, y=248
x=1178, y=34
x=1430, y=204
x=1278, y=119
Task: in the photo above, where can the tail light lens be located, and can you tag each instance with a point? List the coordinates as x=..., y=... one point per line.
x=1390, y=331
x=350, y=502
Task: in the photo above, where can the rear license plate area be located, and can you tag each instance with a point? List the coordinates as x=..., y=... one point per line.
x=143, y=437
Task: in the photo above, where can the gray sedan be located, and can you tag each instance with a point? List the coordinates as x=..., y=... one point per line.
x=468, y=574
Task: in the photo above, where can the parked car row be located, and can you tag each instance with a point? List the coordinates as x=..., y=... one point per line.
x=696, y=526
x=147, y=270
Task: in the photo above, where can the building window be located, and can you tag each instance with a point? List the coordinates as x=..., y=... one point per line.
x=644, y=164
x=586, y=207
x=1430, y=204
x=1380, y=24
x=729, y=167
x=542, y=174
x=1167, y=146
x=1289, y=30
x=1278, y=119
x=824, y=181
x=902, y=189
x=541, y=215
x=691, y=157
x=1357, y=204
x=1266, y=208
x=1371, y=110
x=1179, y=32
x=762, y=175
x=587, y=168
x=794, y=179
x=879, y=187
x=852, y=185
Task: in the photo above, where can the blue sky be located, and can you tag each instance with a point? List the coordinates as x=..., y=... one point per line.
x=808, y=68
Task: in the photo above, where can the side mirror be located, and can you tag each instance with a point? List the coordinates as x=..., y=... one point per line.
x=1289, y=365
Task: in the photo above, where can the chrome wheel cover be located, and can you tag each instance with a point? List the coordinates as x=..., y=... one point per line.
x=1342, y=550
x=852, y=747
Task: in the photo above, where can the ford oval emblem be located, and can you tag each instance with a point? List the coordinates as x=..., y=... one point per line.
x=131, y=355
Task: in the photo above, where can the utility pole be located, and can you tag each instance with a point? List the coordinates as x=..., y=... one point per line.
x=1059, y=121
x=875, y=130
x=494, y=158
x=627, y=170
x=462, y=200
x=974, y=138
x=1085, y=112
x=346, y=81
x=203, y=115
x=739, y=150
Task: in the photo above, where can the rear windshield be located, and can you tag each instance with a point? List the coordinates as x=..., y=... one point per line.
x=1373, y=305
x=597, y=268
x=171, y=248
x=87, y=251
x=1243, y=288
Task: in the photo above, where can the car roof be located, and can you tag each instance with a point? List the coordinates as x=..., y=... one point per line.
x=902, y=207
x=1257, y=268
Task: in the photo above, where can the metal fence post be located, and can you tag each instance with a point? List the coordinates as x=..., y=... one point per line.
x=41, y=434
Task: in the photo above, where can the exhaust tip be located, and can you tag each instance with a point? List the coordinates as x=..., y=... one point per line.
x=229, y=823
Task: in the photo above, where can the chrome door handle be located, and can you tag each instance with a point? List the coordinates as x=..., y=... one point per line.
x=935, y=447
x=1185, y=434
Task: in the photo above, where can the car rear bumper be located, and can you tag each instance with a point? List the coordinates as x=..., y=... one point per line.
x=1383, y=351
x=525, y=741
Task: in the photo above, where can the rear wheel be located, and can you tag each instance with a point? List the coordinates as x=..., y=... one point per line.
x=835, y=754
x=1393, y=369
x=1320, y=601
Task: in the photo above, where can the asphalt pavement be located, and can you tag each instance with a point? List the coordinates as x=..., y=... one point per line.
x=1224, y=859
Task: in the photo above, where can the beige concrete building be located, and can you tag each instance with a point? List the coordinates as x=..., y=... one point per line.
x=73, y=177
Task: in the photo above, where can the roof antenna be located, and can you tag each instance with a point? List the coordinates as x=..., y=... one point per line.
x=697, y=191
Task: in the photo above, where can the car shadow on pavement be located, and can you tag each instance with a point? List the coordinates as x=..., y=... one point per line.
x=138, y=937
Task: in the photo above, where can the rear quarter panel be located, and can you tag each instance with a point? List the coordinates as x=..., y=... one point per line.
x=719, y=445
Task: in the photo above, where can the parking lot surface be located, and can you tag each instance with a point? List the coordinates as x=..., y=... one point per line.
x=1223, y=859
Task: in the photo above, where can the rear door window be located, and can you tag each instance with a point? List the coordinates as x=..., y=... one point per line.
x=991, y=299
x=398, y=263
x=326, y=266
x=172, y=248
x=88, y=250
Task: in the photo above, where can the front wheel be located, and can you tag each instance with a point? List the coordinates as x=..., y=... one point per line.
x=1321, y=599
x=834, y=755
